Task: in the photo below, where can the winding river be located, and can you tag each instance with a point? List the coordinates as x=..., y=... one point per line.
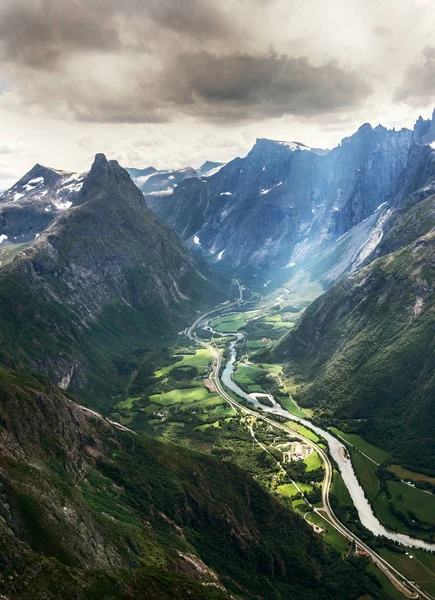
x=336, y=448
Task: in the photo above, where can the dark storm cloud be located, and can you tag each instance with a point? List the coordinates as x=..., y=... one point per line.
x=246, y=86
x=164, y=59
x=39, y=33
x=419, y=81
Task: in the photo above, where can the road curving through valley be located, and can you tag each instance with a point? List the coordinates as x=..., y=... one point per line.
x=336, y=448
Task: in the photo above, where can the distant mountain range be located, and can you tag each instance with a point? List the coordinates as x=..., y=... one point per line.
x=158, y=185
x=290, y=206
x=41, y=194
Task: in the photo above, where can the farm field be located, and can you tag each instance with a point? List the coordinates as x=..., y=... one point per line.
x=313, y=461
x=339, y=489
x=420, y=568
x=332, y=536
x=412, y=475
x=413, y=500
x=303, y=430
x=289, y=404
x=365, y=470
x=277, y=321
x=375, y=453
x=200, y=359
x=183, y=396
x=288, y=490
x=232, y=322
x=248, y=375
x=127, y=403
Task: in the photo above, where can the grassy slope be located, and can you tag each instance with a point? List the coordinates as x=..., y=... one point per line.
x=140, y=503
x=366, y=348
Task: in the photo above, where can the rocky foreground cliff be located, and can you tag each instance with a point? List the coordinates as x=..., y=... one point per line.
x=89, y=510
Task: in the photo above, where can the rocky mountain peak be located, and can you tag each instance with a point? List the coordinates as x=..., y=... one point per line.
x=424, y=130
x=108, y=182
x=209, y=168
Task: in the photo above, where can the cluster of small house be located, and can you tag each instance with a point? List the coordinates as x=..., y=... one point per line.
x=297, y=451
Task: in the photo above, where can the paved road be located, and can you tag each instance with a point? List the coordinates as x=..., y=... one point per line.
x=406, y=587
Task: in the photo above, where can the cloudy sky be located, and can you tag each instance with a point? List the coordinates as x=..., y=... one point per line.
x=175, y=82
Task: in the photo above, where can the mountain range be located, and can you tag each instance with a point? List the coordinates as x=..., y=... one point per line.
x=101, y=271
x=157, y=185
x=286, y=203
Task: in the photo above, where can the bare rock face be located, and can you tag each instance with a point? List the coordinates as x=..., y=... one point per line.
x=286, y=203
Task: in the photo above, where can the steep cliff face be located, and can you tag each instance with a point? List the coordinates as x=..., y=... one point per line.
x=286, y=202
x=366, y=347
x=103, y=279
x=89, y=510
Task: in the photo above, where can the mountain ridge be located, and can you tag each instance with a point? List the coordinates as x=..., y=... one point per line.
x=282, y=205
x=104, y=278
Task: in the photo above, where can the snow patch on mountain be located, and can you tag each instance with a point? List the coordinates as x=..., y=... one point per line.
x=166, y=192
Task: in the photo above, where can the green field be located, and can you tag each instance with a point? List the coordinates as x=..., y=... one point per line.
x=277, y=321
x=376, y=454
x=248, y=375
x=413, y=500
x=412, y=475
x=339, y=489
x=200, y=360
x=255, y=344
x=332, y=536
x=183, y=396
x=206, y=426
x=289, y=404
x=420, y=568
x=288, y=490
x=365, y=470
x=305, y=487
x=302, y=430
x=231, y=323
x=272, y=368
x=387, y=586
x=128, y=403
x=300, y=505
x=313, y=461
x=385, y=516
